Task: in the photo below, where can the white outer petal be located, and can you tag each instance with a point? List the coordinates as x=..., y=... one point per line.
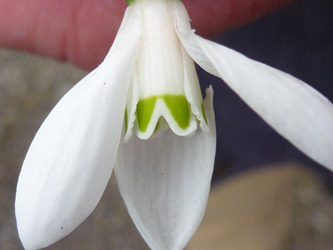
x=70, y=160
x=165, y=183
x=294, y=109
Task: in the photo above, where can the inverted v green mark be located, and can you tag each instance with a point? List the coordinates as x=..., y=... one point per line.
x=177, y=105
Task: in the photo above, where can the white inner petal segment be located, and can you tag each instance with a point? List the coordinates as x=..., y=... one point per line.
x=160, y=63
x=193, y=91
x=166, y=79
x=132, y=101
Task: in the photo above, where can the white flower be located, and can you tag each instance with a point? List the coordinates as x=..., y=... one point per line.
x=149, y=78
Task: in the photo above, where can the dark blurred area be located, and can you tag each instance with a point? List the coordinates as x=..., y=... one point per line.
x=297, y=39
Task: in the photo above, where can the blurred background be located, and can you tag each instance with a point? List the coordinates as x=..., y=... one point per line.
x=266, y=194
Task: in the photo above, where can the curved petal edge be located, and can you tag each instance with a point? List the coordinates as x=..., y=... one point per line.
x=293, y=108
x=70, y=160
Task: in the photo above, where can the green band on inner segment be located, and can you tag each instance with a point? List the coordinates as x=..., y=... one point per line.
x=144, y=111
x=176, y=104
x=179, y=108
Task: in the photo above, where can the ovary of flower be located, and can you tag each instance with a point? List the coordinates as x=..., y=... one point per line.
x=147, y=83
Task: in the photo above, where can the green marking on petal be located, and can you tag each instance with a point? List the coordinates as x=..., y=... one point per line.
x=203, y=112
x=176, y=104
x=179, y=108
x=144, y=111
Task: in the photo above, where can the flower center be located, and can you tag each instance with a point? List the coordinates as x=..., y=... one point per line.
x=164, y=91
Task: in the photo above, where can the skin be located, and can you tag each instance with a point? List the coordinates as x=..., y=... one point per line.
x=82, y=31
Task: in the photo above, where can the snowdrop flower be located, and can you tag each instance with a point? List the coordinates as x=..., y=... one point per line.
x=141, y=113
